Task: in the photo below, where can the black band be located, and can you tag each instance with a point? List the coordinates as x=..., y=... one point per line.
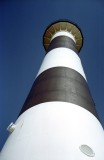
x=60, y=84
x=62, y=41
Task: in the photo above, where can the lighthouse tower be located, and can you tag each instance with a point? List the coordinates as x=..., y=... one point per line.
x=58, y=120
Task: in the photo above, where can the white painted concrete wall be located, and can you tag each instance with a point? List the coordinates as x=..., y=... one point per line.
x=54, y=131
x=62, y=57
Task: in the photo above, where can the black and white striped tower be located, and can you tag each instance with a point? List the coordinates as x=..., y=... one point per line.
x=58, y=120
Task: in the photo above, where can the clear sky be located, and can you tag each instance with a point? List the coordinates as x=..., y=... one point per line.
x=22, y=24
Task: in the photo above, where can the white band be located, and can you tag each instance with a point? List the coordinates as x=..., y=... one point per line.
x=63, y=33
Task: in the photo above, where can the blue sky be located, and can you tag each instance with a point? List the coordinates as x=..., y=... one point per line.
x=22, y=24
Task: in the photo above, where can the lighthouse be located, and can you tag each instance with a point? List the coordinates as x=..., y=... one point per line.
x=58, y=120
